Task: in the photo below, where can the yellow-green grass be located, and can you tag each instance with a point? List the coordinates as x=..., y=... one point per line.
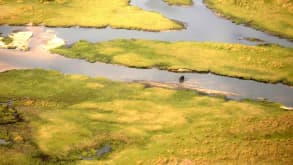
x=87, y=13
x=179, y=2
x=264, y=63
x=274, y=16
x=69, y=116
x=8, y=115
x=6, y=40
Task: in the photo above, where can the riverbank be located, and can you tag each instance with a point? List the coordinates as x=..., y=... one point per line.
x=69, y=117
x=269, y=63
x=274, y=17
x=100, y=14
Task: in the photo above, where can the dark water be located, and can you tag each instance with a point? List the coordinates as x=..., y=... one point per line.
x=202, y=25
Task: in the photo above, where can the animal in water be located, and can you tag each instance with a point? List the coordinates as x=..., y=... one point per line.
x=181, y=79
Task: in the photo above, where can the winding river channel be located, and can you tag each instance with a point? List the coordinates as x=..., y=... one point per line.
x=201, y=25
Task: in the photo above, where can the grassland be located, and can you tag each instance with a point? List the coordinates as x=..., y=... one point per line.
x=179, y=2
x=67, y=117
x=8, y=115
x=274, y=16
x=86, y=13
x=264, y=63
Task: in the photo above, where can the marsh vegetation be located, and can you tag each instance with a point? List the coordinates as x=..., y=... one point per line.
x=268, y=63
x=91, y=13
x=274, y=16
x=58, y=118
x=69, y=117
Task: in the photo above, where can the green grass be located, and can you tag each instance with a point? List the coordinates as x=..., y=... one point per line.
x=263, y=63
x=67, y=116
x=6, y=40
x=86, y=13
x=274, y=16
x=179, y=2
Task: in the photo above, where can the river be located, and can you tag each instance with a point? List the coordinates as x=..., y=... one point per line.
x=201, y=25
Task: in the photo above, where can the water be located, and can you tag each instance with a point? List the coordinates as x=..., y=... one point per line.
x=202, y=25
x=244, y=88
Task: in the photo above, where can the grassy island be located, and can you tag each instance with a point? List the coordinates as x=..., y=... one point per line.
x=85, y=13
x=274, y=16
x=270, y=63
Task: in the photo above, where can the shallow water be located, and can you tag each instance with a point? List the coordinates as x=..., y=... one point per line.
x=202, y=25
x=244, y=88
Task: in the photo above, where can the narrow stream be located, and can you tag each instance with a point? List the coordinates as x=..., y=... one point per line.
x=202, y=25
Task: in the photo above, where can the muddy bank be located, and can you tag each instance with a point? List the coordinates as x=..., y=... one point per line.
x=186, y=86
